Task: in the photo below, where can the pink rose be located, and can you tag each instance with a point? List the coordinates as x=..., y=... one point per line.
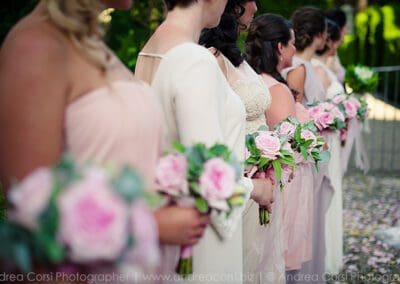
x=268, y=144
x=323, y=120
x=315, y=111
x=309, y=135
x=338, y=99
x=93, y=220
x=287, y=128
x=145, y=251
x=217, y=182
x=337, y=114
x=356, y=103
x=171, y=174
x=350, y=109
x=30, y=197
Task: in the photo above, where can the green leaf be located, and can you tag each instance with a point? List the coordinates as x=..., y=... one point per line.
x=263, y=128
x=22, y=256
x=263, y=162
x=196, y=156
x=48, y=222
x=201, y=205
x=128, y=184
x=297, y=134
x=178, y=147
x=153, y=199
x=236, y=201
x=55, y=252
x=303, y=151
x=307, y=143
x=325, y=156
x=286, y=153
x=277, y=168
x=220, y=150
x=194, y=187
x=288, y=161
x=65, y=170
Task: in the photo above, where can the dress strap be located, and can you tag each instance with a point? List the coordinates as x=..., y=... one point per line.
x=146, y=54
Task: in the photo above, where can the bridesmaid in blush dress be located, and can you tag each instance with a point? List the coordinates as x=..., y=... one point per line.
x=269, y=49
x=309, y=25
x=109, y=117
x=334, y=215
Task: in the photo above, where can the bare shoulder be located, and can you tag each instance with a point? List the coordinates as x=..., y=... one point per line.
x=31, y=56
x=31, y=44
x=281, y=93
x=298, y=72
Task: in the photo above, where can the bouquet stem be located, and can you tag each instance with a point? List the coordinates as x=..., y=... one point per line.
x=264, y=216
x=185, y=264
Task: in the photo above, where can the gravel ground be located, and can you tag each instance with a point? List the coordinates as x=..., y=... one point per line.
x=371, y=203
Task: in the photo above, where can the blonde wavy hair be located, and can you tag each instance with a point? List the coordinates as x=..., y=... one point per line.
x=78, y=19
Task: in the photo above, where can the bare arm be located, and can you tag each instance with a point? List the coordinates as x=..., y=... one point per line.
x=296, y=79
x=282, y=105
x=32, y=101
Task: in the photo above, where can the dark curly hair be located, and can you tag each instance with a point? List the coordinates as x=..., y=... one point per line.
x=264, y=35
x=171, y=4
x=224, y=36
x=308, y=22
x=333, y=35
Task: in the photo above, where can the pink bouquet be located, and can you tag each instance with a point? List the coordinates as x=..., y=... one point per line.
x=327, y=116
x=269, y=152
x=304, y=140
x=206, y=178
x=353, y=106
x=83, y=215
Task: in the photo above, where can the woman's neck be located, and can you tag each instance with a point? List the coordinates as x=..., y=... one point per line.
x=187, y=22
x=323, y=58
x=279, y=67
x=306, y=54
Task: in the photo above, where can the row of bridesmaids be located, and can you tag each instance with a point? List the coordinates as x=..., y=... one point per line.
x=63, y=90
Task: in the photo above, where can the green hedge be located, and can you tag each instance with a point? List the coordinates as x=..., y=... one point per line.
x=376, y=40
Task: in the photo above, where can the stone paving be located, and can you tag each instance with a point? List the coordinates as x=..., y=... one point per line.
x=371, y=205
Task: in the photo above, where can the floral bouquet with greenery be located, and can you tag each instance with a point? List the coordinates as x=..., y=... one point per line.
x=326, y=116
x=352, y=106
x=304, y=141
x=269, y=156
x=78, y=214
x=361, y=79
x=206, y=178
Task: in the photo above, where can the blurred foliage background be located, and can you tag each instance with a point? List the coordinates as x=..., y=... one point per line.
x=373, y=38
